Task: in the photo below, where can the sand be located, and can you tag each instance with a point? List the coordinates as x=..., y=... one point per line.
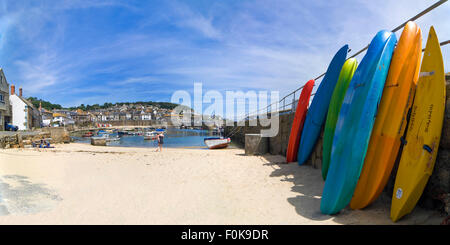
x=84, y=184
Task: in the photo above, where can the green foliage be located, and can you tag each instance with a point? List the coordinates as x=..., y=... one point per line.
x=45, y=104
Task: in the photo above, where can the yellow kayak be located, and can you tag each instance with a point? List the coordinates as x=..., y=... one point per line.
x=423, y=133
x=390, y=122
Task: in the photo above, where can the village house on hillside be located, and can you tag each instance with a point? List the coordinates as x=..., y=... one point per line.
x=5, y=107
x=47, y=117
x=61, y=119
x=24, y=115
x=81, y=116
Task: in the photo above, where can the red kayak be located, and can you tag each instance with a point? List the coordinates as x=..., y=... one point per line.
x=299, y=120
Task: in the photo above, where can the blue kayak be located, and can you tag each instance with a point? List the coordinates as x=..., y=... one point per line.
x=317, y=112
x=355, y=123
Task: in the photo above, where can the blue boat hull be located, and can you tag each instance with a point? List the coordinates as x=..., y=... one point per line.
x=317, y=112
x=355, y=123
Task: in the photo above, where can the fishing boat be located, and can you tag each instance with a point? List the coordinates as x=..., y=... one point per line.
x=107, y=137
x=217, y=142
x=150, y=135
x=122, y=133
x=101, y=132
x=88, y=134
x=134, y=133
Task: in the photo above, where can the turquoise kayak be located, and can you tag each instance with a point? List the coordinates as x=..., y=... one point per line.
x=317, y=112
x=355, y=123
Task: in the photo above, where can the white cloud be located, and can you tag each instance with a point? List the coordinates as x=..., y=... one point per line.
x=184, y=16
x=135, y=80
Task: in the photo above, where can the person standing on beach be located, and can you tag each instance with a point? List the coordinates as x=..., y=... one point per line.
x=160, y=141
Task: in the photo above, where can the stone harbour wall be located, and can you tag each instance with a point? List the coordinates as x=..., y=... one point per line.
x=277, y=145
x=58, y=135
x=23, y=141
x=27, y=138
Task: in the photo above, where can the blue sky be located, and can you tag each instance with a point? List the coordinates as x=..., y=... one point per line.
x=74, y=52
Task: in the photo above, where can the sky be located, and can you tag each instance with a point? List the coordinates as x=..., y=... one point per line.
x=86, y=52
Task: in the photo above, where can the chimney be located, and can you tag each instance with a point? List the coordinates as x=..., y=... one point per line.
x=20, y=92
x=13, y=89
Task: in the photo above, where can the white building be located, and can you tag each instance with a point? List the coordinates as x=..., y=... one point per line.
x=146, y=116
x=24, y=115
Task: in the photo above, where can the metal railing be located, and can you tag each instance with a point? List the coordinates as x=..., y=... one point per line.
x=291, y=98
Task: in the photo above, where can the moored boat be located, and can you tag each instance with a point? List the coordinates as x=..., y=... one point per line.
x=101, y=132
x=107, y=137
x=150, y=135
x=88, y=134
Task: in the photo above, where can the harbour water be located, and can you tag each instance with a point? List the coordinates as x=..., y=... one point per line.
x=177, y=138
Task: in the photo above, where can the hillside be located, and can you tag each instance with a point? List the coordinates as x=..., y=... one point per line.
x=50, y=106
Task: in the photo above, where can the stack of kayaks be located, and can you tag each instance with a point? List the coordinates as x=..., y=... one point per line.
x=355, y=122
x=390, y=122
x=375, y=114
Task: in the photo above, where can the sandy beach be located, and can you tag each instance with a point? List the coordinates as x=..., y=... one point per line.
x=83, y=184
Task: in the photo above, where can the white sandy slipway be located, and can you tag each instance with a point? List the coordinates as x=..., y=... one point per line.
x=83, y=184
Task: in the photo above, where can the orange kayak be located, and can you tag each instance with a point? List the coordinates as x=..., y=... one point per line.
x=299, y=120
x=390, y=122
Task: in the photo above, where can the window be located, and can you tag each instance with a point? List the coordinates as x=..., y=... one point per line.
x=2, y=99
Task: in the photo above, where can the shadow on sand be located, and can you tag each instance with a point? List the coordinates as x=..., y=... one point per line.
x=308, y=186
x=19, y=195
x=307, y=183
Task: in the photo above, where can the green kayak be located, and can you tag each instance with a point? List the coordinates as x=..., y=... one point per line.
x=337, y=98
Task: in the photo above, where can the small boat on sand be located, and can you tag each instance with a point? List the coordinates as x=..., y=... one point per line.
x=217, y=142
